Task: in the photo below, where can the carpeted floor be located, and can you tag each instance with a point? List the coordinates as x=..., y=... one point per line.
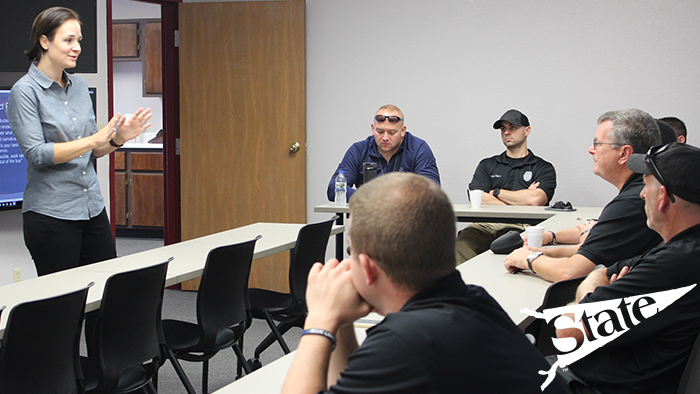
x=181, y=305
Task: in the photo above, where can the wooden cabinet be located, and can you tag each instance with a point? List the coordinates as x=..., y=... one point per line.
x=140, y=40
x=125, y=40
x=138, y=179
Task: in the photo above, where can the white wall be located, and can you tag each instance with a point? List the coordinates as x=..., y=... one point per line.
x=130, y=9
x=455, y=66
x=128, y=76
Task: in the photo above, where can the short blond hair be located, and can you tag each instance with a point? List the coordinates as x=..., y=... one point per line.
x=406, y=223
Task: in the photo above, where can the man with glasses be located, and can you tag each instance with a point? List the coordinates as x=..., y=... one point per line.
x=621, y=230
x=515, y=177
x=390, y=147
x=651, y=357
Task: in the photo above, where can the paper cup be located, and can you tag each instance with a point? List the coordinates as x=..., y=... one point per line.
x=475, y=197
x=534, y=236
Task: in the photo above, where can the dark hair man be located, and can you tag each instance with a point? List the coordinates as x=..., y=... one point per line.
x=678, y=127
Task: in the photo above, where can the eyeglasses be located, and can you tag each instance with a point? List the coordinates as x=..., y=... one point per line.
x=596, y=143
x=649, y=159
x=390, y=118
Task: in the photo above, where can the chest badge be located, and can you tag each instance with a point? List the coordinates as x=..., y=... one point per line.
x=527, y=176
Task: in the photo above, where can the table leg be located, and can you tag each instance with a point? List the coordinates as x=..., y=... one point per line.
x=340, y=240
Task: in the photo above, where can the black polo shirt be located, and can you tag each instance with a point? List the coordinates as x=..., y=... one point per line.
x=621, y=231
x=503, y=172
x=450, y=338
x=651, y=356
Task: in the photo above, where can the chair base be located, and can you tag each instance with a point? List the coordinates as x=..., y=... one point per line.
x=277, y=332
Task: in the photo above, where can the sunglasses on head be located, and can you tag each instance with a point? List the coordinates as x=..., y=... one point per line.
x=390, y=118
x=649, y=159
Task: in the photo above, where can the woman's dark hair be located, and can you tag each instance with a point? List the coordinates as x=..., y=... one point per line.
x=46, y=24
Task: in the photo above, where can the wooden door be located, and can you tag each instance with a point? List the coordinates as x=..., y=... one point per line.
x=242, y=104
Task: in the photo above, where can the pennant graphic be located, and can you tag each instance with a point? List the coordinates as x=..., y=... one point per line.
x=604, y=320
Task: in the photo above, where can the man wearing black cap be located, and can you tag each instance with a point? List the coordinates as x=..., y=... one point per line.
x=651, y=356
x=515, y=177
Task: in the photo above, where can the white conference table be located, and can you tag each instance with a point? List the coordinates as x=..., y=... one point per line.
x=522, y=290
x=188, y=263
x=512, y=291
x=466, y=213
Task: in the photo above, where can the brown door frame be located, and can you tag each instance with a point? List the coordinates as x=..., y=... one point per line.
x=171, y=119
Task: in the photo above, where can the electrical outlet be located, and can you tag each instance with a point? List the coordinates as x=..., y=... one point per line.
x=17, y=274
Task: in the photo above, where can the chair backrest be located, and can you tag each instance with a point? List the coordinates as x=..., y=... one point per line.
x=690, y=381
x=40, y=347
x=222, y=300
x=310, y=248
x=558, y=294
x=128, y=329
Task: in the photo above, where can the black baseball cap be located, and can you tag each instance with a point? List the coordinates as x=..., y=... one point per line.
x=514, y=117
x=677, y=165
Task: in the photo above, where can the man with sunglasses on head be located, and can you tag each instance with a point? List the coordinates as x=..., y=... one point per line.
x=620, y=232
x=515, y=177
x=651, y=356
x=391, y=147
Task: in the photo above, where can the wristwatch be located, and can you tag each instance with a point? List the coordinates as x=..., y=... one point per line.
x=531, y=258
x=496, y=192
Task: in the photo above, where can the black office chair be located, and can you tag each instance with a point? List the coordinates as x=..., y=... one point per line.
x=558, y=294
x=690, y=380
x=222, y=315
x=127, y=338
x=290, y=308
x=41, y=345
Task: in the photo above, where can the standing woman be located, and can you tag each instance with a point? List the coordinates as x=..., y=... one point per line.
x=50, y=111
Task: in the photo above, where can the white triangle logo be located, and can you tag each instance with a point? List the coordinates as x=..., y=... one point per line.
x=603, y=320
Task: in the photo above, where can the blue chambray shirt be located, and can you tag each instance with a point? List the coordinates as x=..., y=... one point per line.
x=41, y=113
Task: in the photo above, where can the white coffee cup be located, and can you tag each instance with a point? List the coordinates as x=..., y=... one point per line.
x=475, y=196
x=534, y=236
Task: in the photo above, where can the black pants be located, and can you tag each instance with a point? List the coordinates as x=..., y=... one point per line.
x=57, y=244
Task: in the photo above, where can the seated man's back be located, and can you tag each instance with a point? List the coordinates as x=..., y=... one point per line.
x=450, y=338
x=439, y=334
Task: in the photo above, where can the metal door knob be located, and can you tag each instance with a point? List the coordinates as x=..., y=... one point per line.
x=294, y=148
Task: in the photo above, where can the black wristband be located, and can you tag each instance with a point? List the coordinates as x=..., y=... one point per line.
x=554, y=238
x=319, y=331
x=114, y=144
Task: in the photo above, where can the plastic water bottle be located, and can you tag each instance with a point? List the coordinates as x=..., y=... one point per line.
x=340, y=189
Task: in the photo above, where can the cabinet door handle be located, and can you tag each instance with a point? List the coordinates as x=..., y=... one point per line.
x=294, y=148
